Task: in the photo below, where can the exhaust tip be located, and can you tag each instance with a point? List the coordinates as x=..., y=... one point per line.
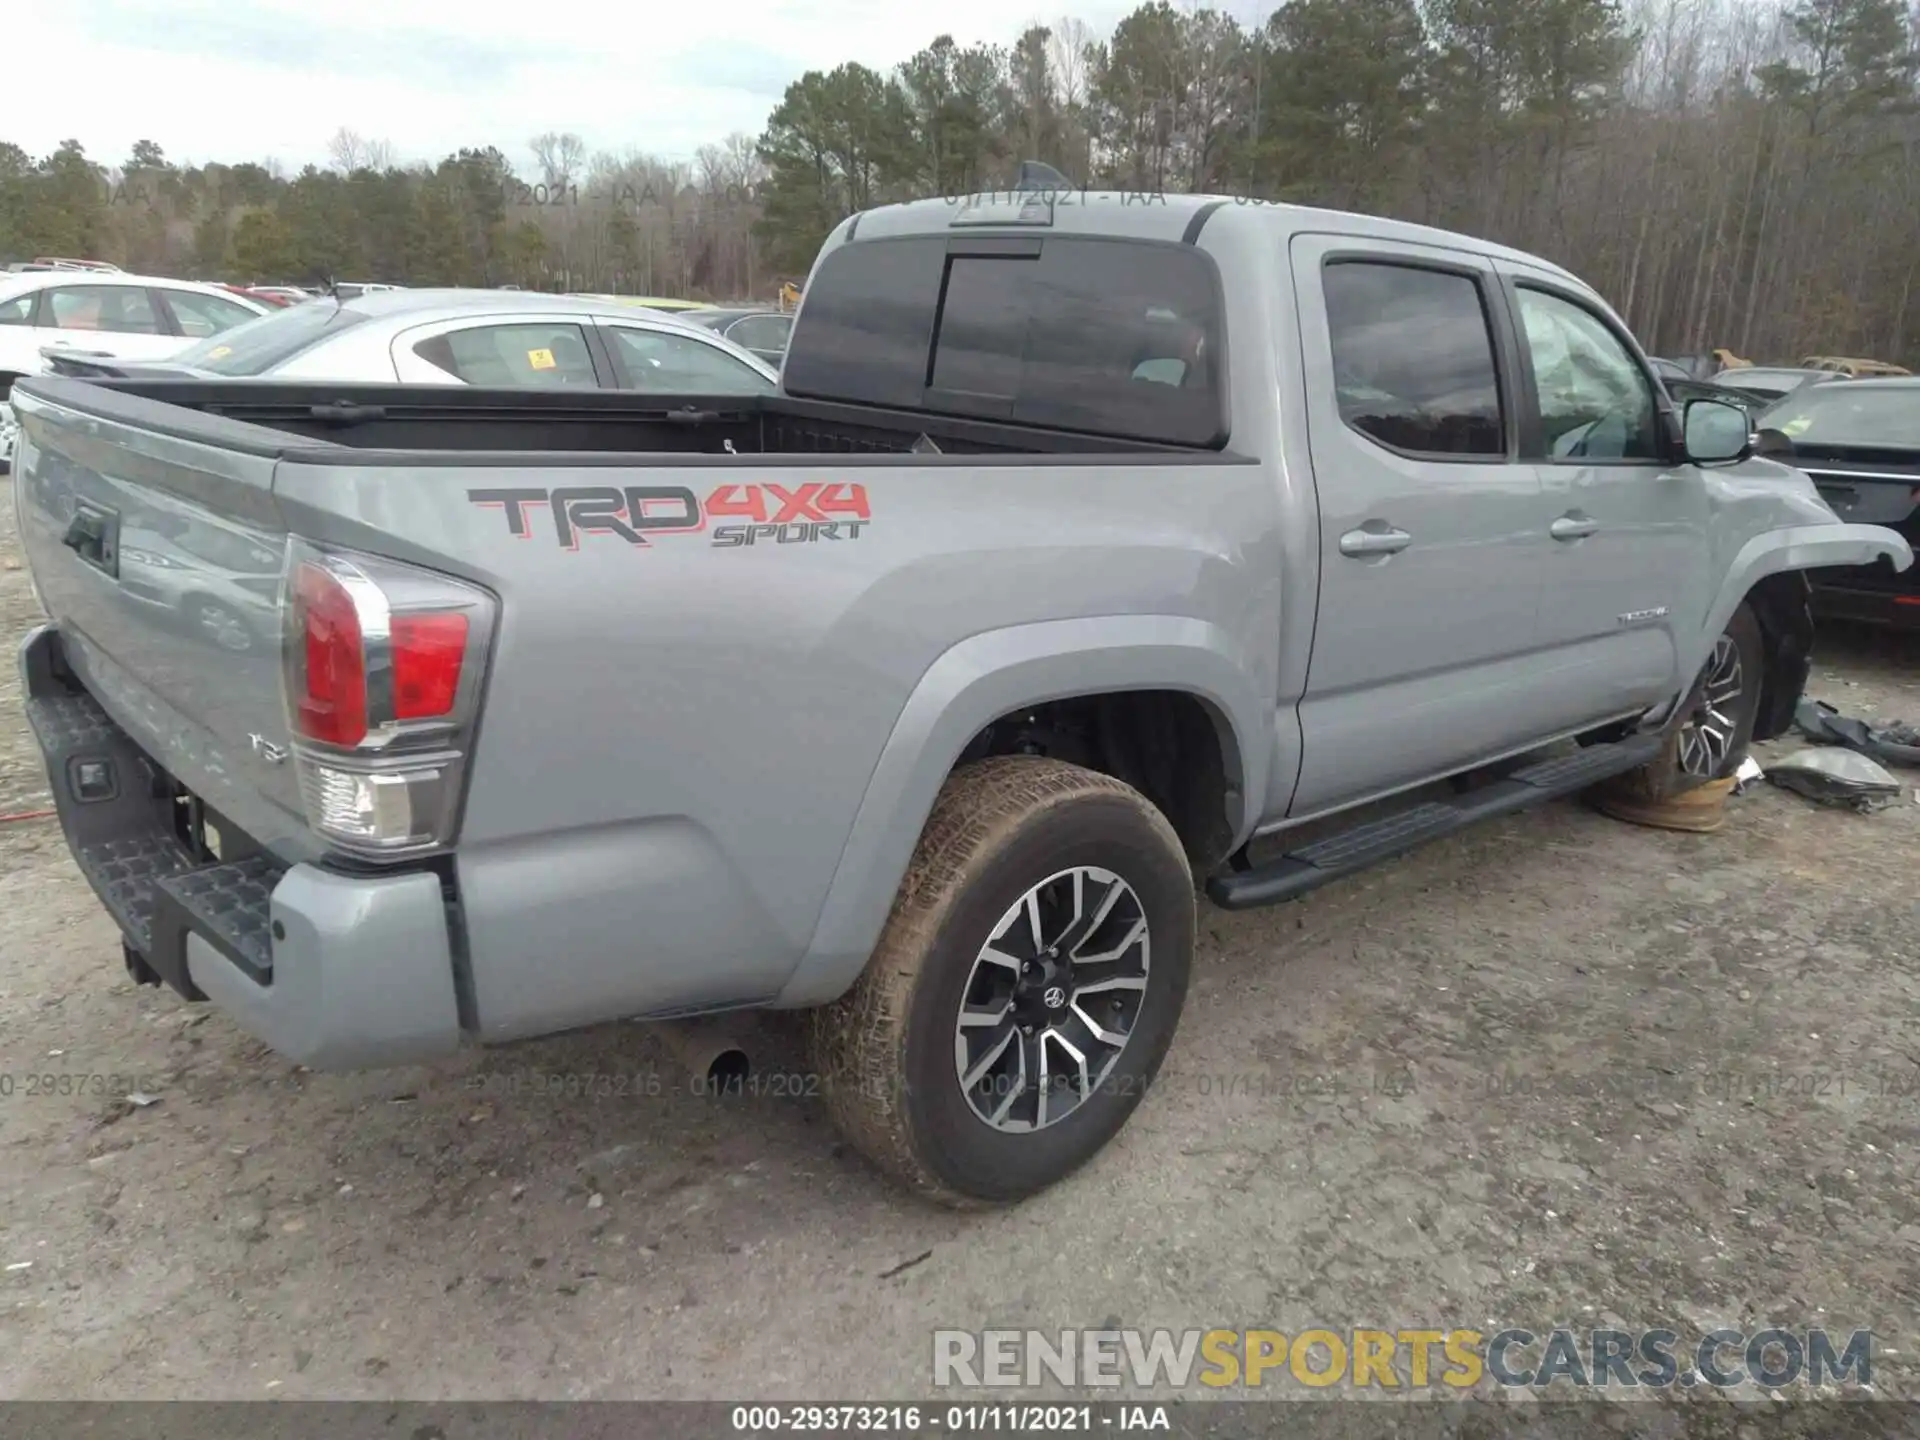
x=729, y=1068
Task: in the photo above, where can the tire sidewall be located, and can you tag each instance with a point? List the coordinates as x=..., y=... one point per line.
x=1107, y=830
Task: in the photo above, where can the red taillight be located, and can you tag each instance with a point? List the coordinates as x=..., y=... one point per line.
x=427, y=651
x=332, y=702
x=381, y=663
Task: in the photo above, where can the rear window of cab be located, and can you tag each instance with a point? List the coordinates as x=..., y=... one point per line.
x=1121, y=338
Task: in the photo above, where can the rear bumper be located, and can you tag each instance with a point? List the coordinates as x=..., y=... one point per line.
x=335, y=971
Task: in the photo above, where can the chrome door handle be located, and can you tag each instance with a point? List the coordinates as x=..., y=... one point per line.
x=1359, y=543
x=1573, y=527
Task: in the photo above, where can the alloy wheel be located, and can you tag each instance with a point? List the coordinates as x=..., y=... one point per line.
x=1706, y=739
x=1051, y=999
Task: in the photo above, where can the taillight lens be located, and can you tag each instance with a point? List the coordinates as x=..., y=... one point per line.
x=379, y=656
x=428, y=651
x=330, y=704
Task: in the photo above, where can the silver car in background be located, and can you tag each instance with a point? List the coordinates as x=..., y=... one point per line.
x=481, y=337
x=223, y=587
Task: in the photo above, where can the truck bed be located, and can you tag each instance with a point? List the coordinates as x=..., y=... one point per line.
x=693, y=659
x=381, y=419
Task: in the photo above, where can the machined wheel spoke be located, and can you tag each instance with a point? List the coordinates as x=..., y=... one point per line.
x=1135, y=934
x=986, y=1062
x=1085, y=926
x=1000, y=957
x=1014, y=1091
x=1112, y=982
x=1045, y=1086
x=1079, y=1059
x=1094, y=1028
x=1033, y=921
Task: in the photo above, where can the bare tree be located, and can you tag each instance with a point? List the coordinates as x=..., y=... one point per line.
x=345, y=150
x=561, y=158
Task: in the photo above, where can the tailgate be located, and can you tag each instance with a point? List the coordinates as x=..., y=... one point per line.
x=158, y=553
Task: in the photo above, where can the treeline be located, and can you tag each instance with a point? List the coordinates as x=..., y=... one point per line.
x=1739, y=173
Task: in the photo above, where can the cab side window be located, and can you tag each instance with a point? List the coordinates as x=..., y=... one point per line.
x=1596, y=403
x=761, y=332
x=1413, y=359
x=203, y=315
x=665, y=363
x=529, y=356
x=117, y=309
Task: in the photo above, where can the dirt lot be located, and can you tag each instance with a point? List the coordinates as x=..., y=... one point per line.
x=1558, y=1071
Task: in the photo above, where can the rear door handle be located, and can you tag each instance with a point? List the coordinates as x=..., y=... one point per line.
x=1357, y=544
x=1573, y=527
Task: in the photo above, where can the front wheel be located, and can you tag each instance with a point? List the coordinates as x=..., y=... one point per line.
x=1025, y=989
x=1716, y=724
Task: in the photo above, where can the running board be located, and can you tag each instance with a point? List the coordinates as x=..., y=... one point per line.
x=1289, y=876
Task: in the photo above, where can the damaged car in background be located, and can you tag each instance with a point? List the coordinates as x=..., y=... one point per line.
x=1859, y=442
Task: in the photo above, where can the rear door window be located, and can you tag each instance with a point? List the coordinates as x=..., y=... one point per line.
x=1413, y=358
x=534, y=355
x=19, y=309
x=1110, y=337
x=112, y=309
x=655, y=360
x=761, y=332
x=203, y=315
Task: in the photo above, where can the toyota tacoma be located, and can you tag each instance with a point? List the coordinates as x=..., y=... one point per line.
x=1095, y=550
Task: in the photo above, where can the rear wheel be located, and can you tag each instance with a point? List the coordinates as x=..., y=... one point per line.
x=1716, y=727
x=1026, y=987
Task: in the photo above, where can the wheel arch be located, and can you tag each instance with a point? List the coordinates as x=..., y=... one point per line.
x=1768, y=572
x=1782, y=603
x=985, y=679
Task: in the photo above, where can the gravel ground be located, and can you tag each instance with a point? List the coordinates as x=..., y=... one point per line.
x=1558, y=1070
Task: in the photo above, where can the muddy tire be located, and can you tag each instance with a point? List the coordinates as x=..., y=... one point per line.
x=1712, y=739
x=1024, y=991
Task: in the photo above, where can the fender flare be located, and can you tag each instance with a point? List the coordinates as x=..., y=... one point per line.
x=976, y=682
x=1798, y=547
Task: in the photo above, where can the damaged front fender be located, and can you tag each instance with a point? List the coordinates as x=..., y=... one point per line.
x=1798, y=547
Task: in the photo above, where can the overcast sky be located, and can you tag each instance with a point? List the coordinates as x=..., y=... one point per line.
x=253, y=79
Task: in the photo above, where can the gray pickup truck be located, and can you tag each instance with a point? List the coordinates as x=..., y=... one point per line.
x=1093, y=545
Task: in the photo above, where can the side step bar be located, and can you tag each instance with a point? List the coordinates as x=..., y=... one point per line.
x=1289, y=876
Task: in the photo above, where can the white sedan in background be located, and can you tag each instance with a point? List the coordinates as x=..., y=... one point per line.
x=132, y=318
x=480, y=337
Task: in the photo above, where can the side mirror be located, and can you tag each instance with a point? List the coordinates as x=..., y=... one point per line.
x=1717, y=433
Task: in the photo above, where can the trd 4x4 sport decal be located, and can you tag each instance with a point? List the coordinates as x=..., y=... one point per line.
x=733, y=515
